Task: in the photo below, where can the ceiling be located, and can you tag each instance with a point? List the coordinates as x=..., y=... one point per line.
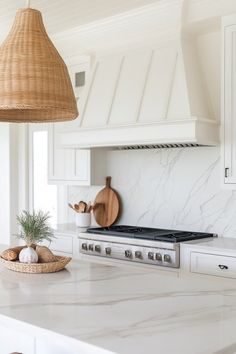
x=60, y=15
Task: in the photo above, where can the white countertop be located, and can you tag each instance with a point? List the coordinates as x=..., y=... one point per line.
x=222, y=244
x=126, y=310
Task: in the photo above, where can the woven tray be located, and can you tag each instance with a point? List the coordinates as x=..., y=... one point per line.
x=50, y=267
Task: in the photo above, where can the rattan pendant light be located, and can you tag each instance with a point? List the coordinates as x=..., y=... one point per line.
x=34, y=81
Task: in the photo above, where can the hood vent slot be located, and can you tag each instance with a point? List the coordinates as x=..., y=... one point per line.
x=158, y=146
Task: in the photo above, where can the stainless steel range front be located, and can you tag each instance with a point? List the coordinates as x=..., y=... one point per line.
x=137, y=244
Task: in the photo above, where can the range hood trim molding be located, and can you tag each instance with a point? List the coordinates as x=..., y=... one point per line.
x=202, y=132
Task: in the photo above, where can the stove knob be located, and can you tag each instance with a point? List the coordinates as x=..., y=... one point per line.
x=90, y=247
x=138, y=254
x=97, y=248
x=167, y=258
x=159, y=257
x=128, y=254
x=151, y=255
x=84, y=246
x=108, y=250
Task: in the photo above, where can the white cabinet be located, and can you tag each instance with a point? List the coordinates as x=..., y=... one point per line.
x=62, y=245
x=229, y=102
x=65, y=166
x=73, y=166
x=213, y=264
x=68, y=166
x=65, y=244
x=12, y=341
x=214, y=256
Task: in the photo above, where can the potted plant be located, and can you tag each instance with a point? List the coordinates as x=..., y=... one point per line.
x=34, y=229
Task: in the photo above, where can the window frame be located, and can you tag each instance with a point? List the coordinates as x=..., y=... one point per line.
x=62, y=191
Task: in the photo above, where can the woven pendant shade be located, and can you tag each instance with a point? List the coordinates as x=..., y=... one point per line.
x=34, y=81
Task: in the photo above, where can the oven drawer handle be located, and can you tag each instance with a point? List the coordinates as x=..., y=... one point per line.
x=222, y=266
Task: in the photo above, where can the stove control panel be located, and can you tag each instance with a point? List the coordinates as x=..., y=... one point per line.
x=136, y=253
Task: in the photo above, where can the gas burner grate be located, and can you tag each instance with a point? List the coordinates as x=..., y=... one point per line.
x=152, y=234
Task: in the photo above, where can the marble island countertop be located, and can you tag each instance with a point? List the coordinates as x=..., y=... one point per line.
x=126, y=310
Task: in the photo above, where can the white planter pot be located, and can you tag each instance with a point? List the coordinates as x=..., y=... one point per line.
x=28, y=255
x=83, y=219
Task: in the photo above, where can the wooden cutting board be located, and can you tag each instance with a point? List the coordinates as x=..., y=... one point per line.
x=106, y=205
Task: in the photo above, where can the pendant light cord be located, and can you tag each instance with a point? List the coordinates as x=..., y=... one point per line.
x=28, y=3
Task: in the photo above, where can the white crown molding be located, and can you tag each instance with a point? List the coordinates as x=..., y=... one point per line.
x=162, y=12
x=154, y=23
x=202, y=10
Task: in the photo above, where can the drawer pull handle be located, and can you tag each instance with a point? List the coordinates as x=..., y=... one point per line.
x=222, y=266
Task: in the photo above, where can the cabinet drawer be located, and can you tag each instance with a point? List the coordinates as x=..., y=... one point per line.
x=62, y=244
x=211, y=264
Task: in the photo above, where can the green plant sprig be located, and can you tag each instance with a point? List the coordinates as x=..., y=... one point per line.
x=34, y=227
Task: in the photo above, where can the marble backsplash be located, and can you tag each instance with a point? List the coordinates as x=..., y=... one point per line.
x=169, y=188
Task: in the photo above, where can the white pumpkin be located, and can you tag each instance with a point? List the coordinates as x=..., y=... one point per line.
x=28, y=255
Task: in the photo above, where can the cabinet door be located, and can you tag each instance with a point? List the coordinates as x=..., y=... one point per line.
x=66, y=166
x=62, y=244
x=81, y=167
x=12, y=341
x=229, y=104
x=213, y=264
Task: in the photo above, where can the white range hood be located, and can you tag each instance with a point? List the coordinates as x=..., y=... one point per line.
x=155, y=96
x=189, y=132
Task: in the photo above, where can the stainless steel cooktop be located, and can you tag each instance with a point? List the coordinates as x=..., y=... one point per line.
x=138, y=244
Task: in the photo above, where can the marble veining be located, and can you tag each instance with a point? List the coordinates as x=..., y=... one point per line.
x=126, y=310
x=178, y=188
